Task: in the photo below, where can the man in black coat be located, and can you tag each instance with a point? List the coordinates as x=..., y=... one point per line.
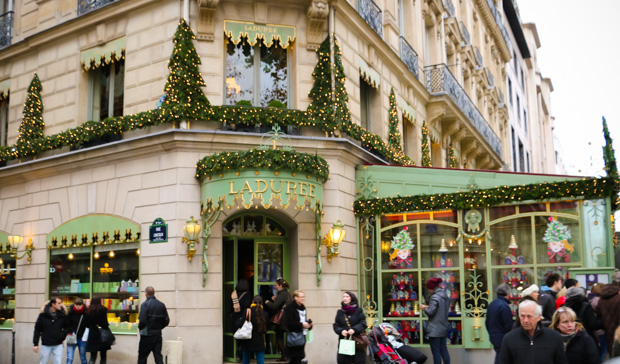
x=546, y=299
x=499, y=318
x=153, y=318
x=51, y=327
x=532, y=343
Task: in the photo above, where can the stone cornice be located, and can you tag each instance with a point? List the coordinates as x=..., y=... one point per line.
x=494, y=30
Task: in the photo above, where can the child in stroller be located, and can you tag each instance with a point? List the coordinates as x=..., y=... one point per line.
x=387, y=348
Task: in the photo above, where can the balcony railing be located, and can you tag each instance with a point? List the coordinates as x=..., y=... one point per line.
x=6, y=29
x=478, y=57
x=371, y=13
x=409, y=57
x=450, y=8
x=502, y=101
x=86, y=6
x=439, y=80
x=490, y=77
x=466, y=35
x=500, y=24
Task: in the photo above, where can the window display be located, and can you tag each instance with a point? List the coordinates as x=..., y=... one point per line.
x=7, y=291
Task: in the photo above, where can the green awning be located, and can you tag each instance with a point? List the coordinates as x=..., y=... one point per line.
x=95, y=229
x=368, y=74
x=269, y=33
x=5, y=87
x=101, y=55
x=407, y=110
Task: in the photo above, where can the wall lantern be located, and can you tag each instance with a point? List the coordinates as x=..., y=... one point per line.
x=333, y=239
x=14, y=241
x=192, y=233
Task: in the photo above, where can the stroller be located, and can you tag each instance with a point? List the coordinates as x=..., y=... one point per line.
x=386, y=347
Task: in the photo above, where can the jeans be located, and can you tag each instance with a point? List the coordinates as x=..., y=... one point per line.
x=439, y=349
x=47, y=351
x=147, y=344
x=247, y=355
x=81, y=345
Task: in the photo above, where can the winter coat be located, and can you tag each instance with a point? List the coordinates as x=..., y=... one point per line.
x=546, y=347
x=74, y=321
x=153, y=317
x=291, y=322
x=282, y=297
x=245, y=300
x=585, y=315
x=95, y=320
x=357, y=321
x=51, y=330
x=546, y=299
x=499, y=320
x=581, y=349
x=607, y=310
x=437, y=312
x=257, y=342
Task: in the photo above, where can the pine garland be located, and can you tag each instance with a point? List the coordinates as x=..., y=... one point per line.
x=426, y=149
x=452, y=163
x=611, y=166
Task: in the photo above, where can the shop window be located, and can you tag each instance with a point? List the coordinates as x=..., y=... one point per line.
x=537, y=207
x=106, y=90
x=435, y=237
x=503, y=252
x=8, y=266
x=501, y=211
x=253, y=225
x=517, y=278
x=387, y=220
x=398, y=251
x=451, y=282
x=558, y=240
x=4, y=121
x=256, y=74
x=565, y=207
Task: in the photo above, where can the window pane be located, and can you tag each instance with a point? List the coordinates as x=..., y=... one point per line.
x=399, y=248
x=70, y=274
x=502, y=251
x=518, y=278
x=557, y=240
x=104, y=92
x=400, y=295
x=269, y=262
x=119, y=88
x=7, y=291
x=432, y=236
x=239, y=72
x=273, y=74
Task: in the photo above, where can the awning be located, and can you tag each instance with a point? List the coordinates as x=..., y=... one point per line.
x=407, y=110
x=368, y=74
x=103, y=54
x=269, y=33
x=5, y=87
x=93, y=230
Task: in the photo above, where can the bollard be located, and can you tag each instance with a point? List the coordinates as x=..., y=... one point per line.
x=172, y=351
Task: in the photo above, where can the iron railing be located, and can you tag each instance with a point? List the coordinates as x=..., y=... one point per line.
x=409, y=57
x=500, y=24
x=502, y=102
x=450, y=8
x=490, y=76
x=439, y=80
x=466, y=35
x=371, y=13
x=478, y=57
x=86, y=6
x=6, y=29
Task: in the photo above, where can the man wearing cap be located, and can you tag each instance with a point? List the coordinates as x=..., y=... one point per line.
x=607, y=308
x=438, y=325
x=499, y=318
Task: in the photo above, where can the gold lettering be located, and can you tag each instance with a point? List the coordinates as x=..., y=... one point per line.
x=288, y=187
x=312, y=187
x=247, y=187
x=231, y=189
x=273, y=189
x=258, y=187
x=303, y=189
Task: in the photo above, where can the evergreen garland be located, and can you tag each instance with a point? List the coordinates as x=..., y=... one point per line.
x=611, y=166
x=341, y=97
x=426, y=149
x=393, y=133
x=451, y=157
x=31, y=127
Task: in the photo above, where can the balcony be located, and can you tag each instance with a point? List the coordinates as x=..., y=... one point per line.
x=440, y=81
x=409, y=57
x=86, y=6
x=371, y=13
x=6, y=29
x=500, y=24
x=466, y=35
x=449, y=6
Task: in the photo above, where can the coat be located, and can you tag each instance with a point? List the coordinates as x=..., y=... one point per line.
x=582, y=349
x=245, y=300
x=74, y=321
x=585, y=315
x=153, y=317
x=546, y=347
x=257, y=342
x=292, y=323
x=437, y=312
x=283, y=297
x=357, y=322
x=546, y=299
x=51, y=330
x=607, y=310
x=95, y=320
x=499, y=320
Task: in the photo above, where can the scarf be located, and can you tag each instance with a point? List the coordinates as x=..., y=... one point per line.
x=567, y=338
x=349, y=309
x=78, y=310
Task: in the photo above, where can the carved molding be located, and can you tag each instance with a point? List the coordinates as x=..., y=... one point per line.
x=205, y=26
x=449, y=129
x=459, y=135
x=435, y=113
x=316, y=19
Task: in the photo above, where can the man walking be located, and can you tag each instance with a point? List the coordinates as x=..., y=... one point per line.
x=553, y=284
x=153, y=318
x=532, y=343
x=50, y=328
x=499, y=318
x=607, y=308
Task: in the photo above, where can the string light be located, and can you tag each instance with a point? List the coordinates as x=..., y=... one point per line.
x=426, y=150
x=393, y=134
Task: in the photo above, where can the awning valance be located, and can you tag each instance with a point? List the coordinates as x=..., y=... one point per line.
x=103, y=54
x=407, y=110
x=269, y=33
x=93, y=229
x=5, y=87
x=368, y=74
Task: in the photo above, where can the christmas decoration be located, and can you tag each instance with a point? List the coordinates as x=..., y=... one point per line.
x=402, y=245
x=31, y=127
x=452, y=163
x=556, y=236
x=611, y=166
x=426, y=149
x=393, y=134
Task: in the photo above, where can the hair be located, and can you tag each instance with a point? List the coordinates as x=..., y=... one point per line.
x=354, y=300
x=617, y=334
x=282, y=282
x=527, y=302
x=571, y=282
x=298, y=292
x=242, y=286
x=564, y=311
x=78, y=301
x=261, y=325
x=502, y=290
x=561, y=293
x=596, y=289
x=552, y=278
x=150, y=291
x=95, y=305
x=52, y=301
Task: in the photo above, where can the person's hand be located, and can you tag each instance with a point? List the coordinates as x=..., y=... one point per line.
x=273, y=298
x=344, y=333
x=423, y=307
x=35, y=349
x=351, y=331
x=306, y=325
x=266, y=301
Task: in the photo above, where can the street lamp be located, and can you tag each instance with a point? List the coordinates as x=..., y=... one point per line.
x=192, y=232
x=333, y=239
x=13, y=245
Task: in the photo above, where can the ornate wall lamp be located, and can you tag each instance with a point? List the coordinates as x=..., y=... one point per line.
x=192, y=233
x=333, y=239
x=13, y=244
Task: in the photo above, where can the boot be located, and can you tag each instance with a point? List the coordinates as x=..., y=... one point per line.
x=281, y=350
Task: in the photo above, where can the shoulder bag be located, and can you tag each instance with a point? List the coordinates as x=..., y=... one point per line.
x=107, y=337
x=295, y=339
x=245, y=332
x=277, y=318
x=72, y=337
x=361, y=339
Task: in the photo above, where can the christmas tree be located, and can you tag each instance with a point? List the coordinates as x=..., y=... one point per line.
x=32, y=124
x=611, y=166
x=402, y=240
x=426, y=149
x=451, y=157
x=556, y=231
x=184, y=96
x=394, y=134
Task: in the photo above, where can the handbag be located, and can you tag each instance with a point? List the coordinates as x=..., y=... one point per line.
x=277, y=318
x=72, y=337
x=361, y=339
x=295, y=339
x=245, y=331
x=346, y=347
x=107, y=337
x=85, y=335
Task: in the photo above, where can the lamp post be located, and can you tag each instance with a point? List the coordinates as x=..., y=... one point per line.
x=192, y=232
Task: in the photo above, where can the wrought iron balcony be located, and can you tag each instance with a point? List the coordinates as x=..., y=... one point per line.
x=409, y=57
x=478, y=57
x=500, y=24
x=371, y=13
x=490, y=77
x=6, y=29
x=440, y=81
x=86, y=6
x=466, y=35
x=450, y=8
x=502, y=101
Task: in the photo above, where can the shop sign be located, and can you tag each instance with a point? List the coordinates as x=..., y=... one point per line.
x=158, y=232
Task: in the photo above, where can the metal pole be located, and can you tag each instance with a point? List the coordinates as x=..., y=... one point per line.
x=13, y=349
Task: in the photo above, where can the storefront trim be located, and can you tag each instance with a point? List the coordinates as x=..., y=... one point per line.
x=269, y=33
x=93, y=229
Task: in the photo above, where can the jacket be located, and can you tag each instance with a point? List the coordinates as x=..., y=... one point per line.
x=257, y=342
x=546, y=347
x=499, y=320
x=74, y=321
x=607, y=310
x=94, y=321
x=437, y=312
x=153, y=317
x=547, y=300
x=585, y=315
x=290, y=318
x=51, y=330
x=282, y=297
x=357, y=321
x=582, y=349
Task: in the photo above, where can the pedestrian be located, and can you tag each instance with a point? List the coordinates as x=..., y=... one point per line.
x=77, y=322
x=96, y=317
x=531, y=291
x=296, y=323
x=438, y=325
x=51, y=327
x=256, y=344
x=607, y=308
x=499, y=318
x=532, y=343
x=561, y=296
x=276, y=305
x=600, y=334
x=580, y=348
x=350, y=320
x=547, y=297
x=153, y=318
x=578, y=302
x=615, y=350
x=240, y=301
x=411, y=354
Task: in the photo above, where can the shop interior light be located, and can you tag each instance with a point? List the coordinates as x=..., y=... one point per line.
x=70, y=256
x=333, y=239
x=192, y=233
x=96, y=256
x=111, y=254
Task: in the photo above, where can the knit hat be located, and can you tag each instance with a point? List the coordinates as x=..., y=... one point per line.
x=529, y=290
x=575, y=291
x=433, y=283
x=502, y=289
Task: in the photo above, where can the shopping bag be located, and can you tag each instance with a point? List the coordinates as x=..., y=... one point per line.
x=346, y=347
x=85, y=336
x=295, y=338
x=309, y=336
x=245, y=332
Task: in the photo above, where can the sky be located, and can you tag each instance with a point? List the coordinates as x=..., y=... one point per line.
x=580, y=53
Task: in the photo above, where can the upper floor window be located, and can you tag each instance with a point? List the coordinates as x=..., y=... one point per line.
x=518, y=108
x=4, y=121
x=510, y=91
x=106, y=90
x=525, y=120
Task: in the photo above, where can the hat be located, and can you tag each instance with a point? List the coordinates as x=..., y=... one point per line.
x=529, y=290
x=502, y=290
x=433, y=283
x=616, y=277
x=575, y=291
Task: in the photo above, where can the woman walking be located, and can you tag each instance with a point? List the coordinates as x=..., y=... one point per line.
x=350, y=320
x=77, y=322
x=578, y=345
x=96, y=317
x=297, y=325
x=255, y=345
x=438, y=324
x=275, y=305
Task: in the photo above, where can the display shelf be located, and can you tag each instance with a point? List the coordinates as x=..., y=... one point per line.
x=402, y=299
x=404, y=315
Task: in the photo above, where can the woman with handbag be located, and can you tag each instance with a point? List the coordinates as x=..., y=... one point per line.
x=240, y=301
x=76, y=318
x=297, y=325
x=350, y=324
x=96, y=317
x=276, y=307
x=256, y=344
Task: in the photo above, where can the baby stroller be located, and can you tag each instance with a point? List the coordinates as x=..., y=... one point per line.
x=380, y=350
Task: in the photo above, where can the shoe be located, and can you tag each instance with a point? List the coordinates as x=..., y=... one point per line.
x=282, y=359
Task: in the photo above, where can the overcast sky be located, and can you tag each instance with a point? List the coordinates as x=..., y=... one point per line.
x=580, y=53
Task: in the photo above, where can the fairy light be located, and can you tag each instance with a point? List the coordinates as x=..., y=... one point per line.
x=426, y=150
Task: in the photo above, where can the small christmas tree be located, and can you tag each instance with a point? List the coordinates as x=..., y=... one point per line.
x=451, y=157
x=611, y=166
x=394, y=134
x=184, y=96
x=32, y=124
x=556, y=236
x=426, y=149
x=402, y=240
